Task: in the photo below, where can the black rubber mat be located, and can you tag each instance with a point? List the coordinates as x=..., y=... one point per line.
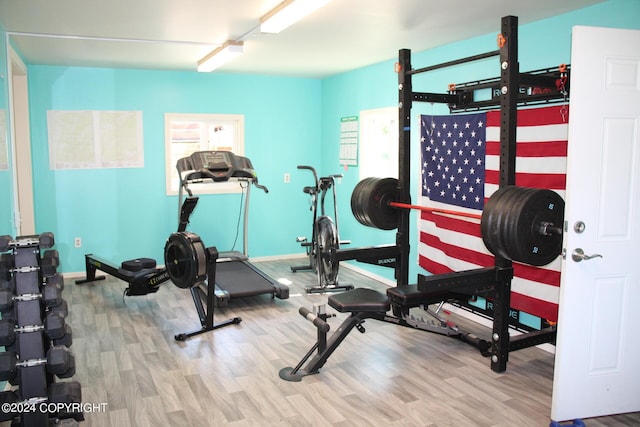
x=240, y=280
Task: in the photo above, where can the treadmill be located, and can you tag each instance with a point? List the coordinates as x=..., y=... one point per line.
x=235, y=276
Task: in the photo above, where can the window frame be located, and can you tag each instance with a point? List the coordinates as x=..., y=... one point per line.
x=172, y=184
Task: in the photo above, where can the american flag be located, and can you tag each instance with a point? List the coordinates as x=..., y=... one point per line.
x=460, y=171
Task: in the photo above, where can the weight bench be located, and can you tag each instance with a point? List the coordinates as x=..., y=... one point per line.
x=363, y=303
x=404, y=297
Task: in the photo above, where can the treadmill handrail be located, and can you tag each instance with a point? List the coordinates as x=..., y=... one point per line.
x=236, y=168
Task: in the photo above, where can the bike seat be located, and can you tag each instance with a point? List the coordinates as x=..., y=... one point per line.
x=310, y=190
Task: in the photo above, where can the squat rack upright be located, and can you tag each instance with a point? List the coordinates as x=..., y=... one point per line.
x=459, y=99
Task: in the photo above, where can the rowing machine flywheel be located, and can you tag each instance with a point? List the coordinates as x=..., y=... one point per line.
x=185, y=258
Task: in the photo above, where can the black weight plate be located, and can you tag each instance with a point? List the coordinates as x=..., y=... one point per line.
x=534, y=247
x=185, y=259
x=516, y=213
x=365, y=199
x=355, y=196
x=487, y=222
x=370, y=203
x=382, y=215
x=511, y=205
x=327, y=266
x=492, y=219
x=359, y=195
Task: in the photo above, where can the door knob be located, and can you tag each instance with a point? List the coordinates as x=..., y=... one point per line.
x=578, y=255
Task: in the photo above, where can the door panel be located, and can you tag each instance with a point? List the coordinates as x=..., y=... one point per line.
x=597, y=369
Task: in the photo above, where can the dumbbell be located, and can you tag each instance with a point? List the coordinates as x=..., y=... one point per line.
x=7, y=332
x=6, y=264
x=55, y=279
x=51, y=296
x=66, y=339
x=8, y=362
x=5, y=243
x=66, y=392
x=54, y=327
x=60, y=362
x=57, y=329
x=49, y=263
x=10, y=397
x=44, y=241
x=62, y=308
x=8, y=283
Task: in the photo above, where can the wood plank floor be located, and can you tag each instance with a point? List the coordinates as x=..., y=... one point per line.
x=127, y=358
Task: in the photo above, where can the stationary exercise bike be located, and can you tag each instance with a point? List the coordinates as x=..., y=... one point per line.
x=324, y=236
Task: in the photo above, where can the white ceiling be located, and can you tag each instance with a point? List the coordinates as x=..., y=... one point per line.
x=175, y=34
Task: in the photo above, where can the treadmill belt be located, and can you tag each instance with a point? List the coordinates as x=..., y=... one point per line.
x=240, y=280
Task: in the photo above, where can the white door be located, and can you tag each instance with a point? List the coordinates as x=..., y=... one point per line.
x=597, y=364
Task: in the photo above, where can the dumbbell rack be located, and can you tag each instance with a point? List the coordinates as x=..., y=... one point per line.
x=35, y=336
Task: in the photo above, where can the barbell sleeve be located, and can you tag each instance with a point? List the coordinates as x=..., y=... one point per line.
x=548, y=229
x=435, y=210
x=318, y=322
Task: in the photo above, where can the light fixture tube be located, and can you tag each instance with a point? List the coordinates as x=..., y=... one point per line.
x=225, y=53
x=287, y=13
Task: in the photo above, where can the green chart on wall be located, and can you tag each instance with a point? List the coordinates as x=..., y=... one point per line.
x=349, y=141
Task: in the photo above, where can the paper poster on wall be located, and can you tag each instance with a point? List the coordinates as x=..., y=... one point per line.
x=4, y=155
x=349, y=141
x=95, y=139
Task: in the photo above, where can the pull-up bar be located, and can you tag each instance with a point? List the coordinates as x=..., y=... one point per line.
x=455, y=62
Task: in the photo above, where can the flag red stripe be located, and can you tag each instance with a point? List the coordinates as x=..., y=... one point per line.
x=432, y=266
x=457, y=252
x=535, y=180
x=452, y=224
x=550, y=115
x=544, y=309
x=532, y=149
x=536, y=274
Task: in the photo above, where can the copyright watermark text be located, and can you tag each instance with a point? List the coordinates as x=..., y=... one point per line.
x=52, y=408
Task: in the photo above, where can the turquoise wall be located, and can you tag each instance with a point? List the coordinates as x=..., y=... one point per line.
x=542, y=44
x=124, y=213
x=6, y=179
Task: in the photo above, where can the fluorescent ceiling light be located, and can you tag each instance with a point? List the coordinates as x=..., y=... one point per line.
x=287, y=13
x=220, y=56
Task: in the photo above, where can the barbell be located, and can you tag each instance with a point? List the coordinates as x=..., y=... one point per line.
x=518, y=223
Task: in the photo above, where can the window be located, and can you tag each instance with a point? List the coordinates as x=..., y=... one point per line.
x=378, y=156
x=188, y=133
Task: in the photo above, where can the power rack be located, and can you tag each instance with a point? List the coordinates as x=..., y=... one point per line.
x=508, y=91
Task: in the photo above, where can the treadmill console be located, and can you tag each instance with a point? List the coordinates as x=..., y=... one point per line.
x=213, y=160
x=216, y=165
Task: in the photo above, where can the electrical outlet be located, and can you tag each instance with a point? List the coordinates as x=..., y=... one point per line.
x=287, y=178
x=77, y=242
